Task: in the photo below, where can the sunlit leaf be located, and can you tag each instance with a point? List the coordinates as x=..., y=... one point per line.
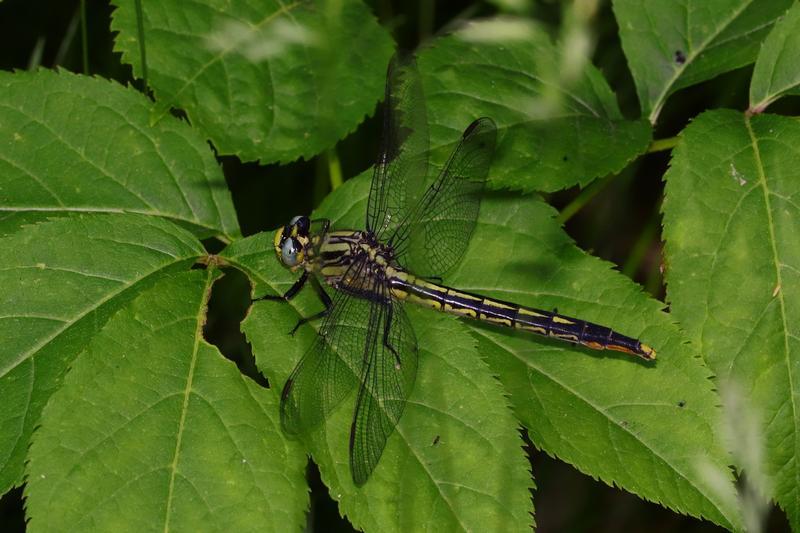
x=61, y=280
x=731, y=223
x=80, y=144
x=154, y=429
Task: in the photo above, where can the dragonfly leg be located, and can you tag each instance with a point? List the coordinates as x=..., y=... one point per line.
x=324, y=298
x=386, y=330
x=291, y=293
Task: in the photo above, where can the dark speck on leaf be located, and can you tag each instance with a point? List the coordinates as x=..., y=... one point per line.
x=681, y=403
x=564, y=158
x=680, y=57
x=436, y=440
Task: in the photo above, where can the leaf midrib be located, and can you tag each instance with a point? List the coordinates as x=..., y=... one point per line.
x=692, y=55
x=31, y=352
x=598, y=409
x=119, y=210
x=762, y=180
x=187, y=392
x=256, y=275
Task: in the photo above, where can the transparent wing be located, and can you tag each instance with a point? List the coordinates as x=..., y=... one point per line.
x=388, y=377
x=402, y=164
x=331, y=367
x=436, y=232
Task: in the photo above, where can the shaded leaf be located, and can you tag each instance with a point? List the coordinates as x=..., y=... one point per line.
x=776, y=72
x=62, y=282
x=80, y=144
x=269, y=81
x=154, y=429
x=731, y=223
x=553, y=134
x=671, y=45
x=643, y=427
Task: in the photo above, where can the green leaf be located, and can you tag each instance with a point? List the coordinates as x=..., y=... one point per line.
x=671, y=45
x=269, y=81
x=154, y=429
x=643, y=427
x=80, y=144
x=731, y=223
x=61, y=281
x=776, y=72
x=456, y=455
x=553, y=133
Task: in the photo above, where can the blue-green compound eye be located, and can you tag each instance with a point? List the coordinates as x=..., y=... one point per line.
x=289, y=252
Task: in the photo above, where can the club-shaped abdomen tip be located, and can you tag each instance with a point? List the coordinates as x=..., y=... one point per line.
x=647, y=352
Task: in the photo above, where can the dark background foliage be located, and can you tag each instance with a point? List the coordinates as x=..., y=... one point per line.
x=618, y=218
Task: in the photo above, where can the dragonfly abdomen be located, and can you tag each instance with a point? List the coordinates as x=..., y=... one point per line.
x=507, y=314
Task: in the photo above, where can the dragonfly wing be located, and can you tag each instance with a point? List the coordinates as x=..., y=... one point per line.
x=330, y=368
x=402, y=164
x=388, y=376
x=436, y=234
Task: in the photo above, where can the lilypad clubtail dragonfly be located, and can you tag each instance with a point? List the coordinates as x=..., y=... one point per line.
x=411, y=239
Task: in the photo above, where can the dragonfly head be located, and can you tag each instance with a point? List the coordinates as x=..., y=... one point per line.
x=291, y=242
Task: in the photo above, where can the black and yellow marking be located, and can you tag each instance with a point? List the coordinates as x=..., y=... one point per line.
x=340, y=248
x=406, y=287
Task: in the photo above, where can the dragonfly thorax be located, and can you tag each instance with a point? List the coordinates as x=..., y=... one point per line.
x=353, y=260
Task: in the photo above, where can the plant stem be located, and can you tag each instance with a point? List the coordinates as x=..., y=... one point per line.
x=84, y=39
x=660, y=145
x=334, y=169
x=583, y=198
x=642, y=244
x=426, y=16
x=140, y=31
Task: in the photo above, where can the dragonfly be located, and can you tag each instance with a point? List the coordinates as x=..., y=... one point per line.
x=413, y=236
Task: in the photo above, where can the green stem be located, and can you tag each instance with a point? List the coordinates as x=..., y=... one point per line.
x=653, y=282
x=426, y=16
x=84, y=39
x=334, y=169
x=36, y=55
x=140, y=31
x=660, y=145
x=642, y=245
x=583, y=198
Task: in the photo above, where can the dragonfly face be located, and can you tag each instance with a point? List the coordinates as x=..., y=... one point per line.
x=291, y=242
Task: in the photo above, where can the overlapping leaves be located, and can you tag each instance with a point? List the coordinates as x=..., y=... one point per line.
x=671, y=45
x=80, y=144
x=268, y=81
x=62, y=282
x=644, y=428
x=553, y=133
x=153, y=428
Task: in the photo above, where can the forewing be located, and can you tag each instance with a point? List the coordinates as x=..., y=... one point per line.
x=436, y=234
x=388, y=378
x=402, y=164
x=331, y=367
